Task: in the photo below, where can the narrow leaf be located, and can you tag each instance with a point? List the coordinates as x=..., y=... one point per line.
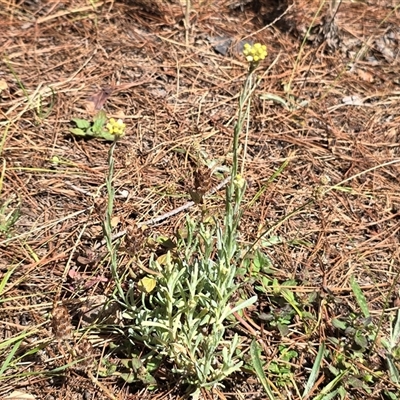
x=314, y=372
x=255, y=353
x=78, y=132
x=5, y=279
x=361, y=300
x=10, y=357
x=393, y=371
x=337, y=323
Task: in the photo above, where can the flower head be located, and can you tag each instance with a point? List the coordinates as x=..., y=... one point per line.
x=116, y=127
x=255, y=53
x=239, y=181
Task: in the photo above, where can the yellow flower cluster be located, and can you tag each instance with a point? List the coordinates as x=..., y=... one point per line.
x=116, y=127
x=239, y=181
x=255, y=53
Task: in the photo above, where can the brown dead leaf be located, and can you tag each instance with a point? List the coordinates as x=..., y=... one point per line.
x=3, y=85
x=365, y=76
x=96, y=102
x=115, y=221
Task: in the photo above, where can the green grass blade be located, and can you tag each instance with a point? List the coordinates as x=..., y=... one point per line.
x=40, y=111
x=270, y=180
x=314, y=372
x=10, y=356
x=325, y=393
x=255, y=352
x=15, y=75
x=5, y=279
x=332, y=395
x=393, y=371
x=396, y=331
x=359, y=295
x=6, y=343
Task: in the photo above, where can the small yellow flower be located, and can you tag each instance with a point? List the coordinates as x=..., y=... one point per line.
x=239, y=181
x=116, y=127
x=254, y=54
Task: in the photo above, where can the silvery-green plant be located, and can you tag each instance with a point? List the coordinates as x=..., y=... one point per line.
x=187, y=315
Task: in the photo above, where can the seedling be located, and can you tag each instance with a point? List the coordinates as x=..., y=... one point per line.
x=8, y=217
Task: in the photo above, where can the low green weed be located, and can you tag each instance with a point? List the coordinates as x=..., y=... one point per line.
x=349, y=354
x=280, y=370
x=98, y=127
